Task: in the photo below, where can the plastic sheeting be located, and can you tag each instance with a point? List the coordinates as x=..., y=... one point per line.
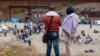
x=14, y=20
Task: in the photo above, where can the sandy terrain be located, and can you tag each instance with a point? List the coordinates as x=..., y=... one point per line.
x=41, y=47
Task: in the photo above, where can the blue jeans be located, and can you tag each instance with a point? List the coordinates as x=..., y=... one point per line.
x=53, y=38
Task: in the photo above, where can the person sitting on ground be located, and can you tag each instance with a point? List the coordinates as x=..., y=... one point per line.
x=96, y=31
x=83, y=33
x=88, y=39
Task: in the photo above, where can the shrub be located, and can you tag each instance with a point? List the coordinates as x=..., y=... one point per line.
x=8, y=51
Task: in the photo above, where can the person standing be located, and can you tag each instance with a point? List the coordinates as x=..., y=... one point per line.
x=15, y=26
x=69, y=28
x=53, y=34
x=90, y=25
x=5, y=33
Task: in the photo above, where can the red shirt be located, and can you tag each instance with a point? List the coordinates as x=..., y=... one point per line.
x=54, y=25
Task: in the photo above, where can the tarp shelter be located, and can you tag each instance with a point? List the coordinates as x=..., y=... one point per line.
x=14, y=20
x=97, y=22
x=3, y=27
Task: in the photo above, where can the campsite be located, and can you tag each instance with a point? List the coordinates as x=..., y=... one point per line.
x=12, y=28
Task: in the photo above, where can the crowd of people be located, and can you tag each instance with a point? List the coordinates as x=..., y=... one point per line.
x=49, y=24
x=83, y=39
x=34, y=26
x=31, y=26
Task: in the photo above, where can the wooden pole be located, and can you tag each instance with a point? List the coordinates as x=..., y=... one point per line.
x=29, y=8
x=9, y=13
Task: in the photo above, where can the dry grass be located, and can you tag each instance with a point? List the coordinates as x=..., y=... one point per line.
x=89, y=54
x=27, y=51
x=31, y=51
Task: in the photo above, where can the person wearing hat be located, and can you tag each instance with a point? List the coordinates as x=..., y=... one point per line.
x=53, y=33
x=69, y=28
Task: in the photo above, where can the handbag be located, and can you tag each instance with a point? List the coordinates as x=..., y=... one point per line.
x=45, y=38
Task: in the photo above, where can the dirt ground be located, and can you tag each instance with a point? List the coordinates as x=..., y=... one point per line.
x=40, y=47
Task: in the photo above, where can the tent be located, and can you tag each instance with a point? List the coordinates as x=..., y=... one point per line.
x=14, y=20
x=97, y=22
x=3, y=27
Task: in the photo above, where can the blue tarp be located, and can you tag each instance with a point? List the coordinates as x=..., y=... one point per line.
x=14, y=20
